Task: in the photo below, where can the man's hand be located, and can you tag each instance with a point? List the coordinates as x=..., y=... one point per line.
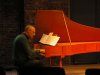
x=42, y=52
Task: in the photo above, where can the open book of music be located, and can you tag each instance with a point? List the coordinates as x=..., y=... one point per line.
x=49, y=39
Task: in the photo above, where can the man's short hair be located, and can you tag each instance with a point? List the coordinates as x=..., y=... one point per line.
x=28, y=26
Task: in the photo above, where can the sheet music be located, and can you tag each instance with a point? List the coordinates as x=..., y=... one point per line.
x=49, y=39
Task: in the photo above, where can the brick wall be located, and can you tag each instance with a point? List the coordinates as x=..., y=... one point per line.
x=9, y=28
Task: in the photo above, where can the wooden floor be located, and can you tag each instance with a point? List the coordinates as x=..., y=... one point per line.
x=79, y=69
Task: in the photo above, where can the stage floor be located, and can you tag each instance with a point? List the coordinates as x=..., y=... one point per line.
x=79, y=69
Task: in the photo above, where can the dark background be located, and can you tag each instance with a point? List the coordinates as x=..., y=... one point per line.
x=14, y=14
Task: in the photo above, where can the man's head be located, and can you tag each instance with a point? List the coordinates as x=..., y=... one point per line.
x=30, y=31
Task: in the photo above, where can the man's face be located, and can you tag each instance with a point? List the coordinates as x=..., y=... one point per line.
x=31, y=33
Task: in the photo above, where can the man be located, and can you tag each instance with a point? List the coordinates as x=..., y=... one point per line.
x=23, y=53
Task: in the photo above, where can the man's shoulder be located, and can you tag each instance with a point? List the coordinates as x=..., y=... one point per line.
x=20, y=37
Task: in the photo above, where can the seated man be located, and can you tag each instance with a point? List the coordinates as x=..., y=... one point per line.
x=24, y=55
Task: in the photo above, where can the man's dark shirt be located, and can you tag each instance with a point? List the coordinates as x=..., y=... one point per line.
x=22, y=51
